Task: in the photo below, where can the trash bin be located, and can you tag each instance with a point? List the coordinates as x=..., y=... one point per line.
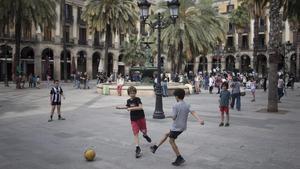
x=105, y=90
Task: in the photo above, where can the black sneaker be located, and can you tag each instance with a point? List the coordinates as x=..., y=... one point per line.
x=138, y=152
x=221, y=124
x=153, y=148
x=50, y=120
x=147, y=138
x=61, y=118
x=179, y=160
x=227, y=125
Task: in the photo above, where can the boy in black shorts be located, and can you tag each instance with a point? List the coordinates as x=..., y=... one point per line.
x=55, y=100
x=179, y=115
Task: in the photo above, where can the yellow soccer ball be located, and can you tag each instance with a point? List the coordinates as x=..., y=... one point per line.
x=89, y=154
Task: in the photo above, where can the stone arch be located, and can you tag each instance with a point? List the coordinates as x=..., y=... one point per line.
x=68, y=55
x=27, y=60
x=245, y=63
x=262, y=65
x=47, y=63
x=202, y=64
x=230, y=63
x=6, y=62
x=96, y=57
x=81, y=61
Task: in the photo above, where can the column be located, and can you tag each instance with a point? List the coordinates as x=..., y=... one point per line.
x=90, y=39
x=39, y=34
x=89, y=65
x=251, y=38
x=298, y=63
x=57, y=67
x=75, y=24
x=287, y=31
x=38, y=66
x=238, y=62
x=57, y=24
x=268, y=30
x=117, y=40
x=196, y=64
x=209, y=63
x=236, y=41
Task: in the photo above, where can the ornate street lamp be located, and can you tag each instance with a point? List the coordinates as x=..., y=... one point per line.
x=159, y=24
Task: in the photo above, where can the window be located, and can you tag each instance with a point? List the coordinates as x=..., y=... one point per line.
x=230, y=8
x=68, y=13
x=96, y=38
x=82, y=36
x=67, y=33
x=231, y=28
x=47, y=33
x=245, y=42
x=230, y=41
x=261, y=41
x=27, y=31
x=80, y=21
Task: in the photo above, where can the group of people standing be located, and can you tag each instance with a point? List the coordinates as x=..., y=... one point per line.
x=81, y=78
x=33, y=81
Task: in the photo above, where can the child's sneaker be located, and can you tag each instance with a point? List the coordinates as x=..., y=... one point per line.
x=138, y=152
x=153, y=148
x=227, y=125
x=147, y=138
x=221, y=124
x=50, y=120
x=179, y=160
x=61, y=118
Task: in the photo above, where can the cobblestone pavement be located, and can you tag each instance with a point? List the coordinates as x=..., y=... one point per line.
x=255, y=139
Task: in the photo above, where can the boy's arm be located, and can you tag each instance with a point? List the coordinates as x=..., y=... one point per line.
x=195, y=115
x=140, y=107
x=121, y=107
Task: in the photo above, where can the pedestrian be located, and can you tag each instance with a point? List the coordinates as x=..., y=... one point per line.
x=265, y=84
x=236, y=94
x=38, y=82
x=78, y=79
x=164, y=84
x=120, y=84
x=48, y=80
x=253, y=88
x=30, y=80
x=137, y=117
x=218, y=83
x=197, y=84
x=179, y=115
x=34, y=80
x=280, y=86
x=224, y=104
x=211, y=84
x=55, y=100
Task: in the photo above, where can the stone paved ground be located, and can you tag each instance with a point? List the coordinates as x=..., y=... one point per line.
x=255, y=140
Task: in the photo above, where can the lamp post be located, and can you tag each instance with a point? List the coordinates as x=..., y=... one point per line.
x=159, y=24
x=219, y=52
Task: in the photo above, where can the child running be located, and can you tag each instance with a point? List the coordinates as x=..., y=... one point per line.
x=224, y=104
x=179, y=115
x=137, y=117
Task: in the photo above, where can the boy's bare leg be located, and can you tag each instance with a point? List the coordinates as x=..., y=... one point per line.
x=51, y=113
x=163, y=139
x=174, y=146
x=58, y=110
x=136, y=139
x=227, y=117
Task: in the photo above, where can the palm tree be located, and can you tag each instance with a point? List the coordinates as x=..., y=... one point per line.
x=20, y=12
x=291, y=10
x=196, y=30
x=257, y=9
x=132, y=52
x=110, y=17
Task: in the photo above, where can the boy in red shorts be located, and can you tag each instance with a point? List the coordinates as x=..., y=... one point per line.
x=137, y=117
x=224, y=104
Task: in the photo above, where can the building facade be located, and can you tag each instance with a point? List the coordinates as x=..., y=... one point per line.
x=42, y=51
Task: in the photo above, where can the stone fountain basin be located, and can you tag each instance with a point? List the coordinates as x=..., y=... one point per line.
x=142, y=89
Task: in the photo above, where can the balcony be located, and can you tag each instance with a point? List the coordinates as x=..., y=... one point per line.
x=229, y=49
x=231, y=31
x=262, y=28
x=98, y=45
x=245, y=47
x=80, y=21
x=69, y=19
x=261, y=48
x=82, y=42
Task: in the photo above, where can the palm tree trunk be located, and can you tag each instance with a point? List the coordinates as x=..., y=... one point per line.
x=255, y=40
x=18, y=34
x=274, y=42
x=106, y=47
x=180, y=59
